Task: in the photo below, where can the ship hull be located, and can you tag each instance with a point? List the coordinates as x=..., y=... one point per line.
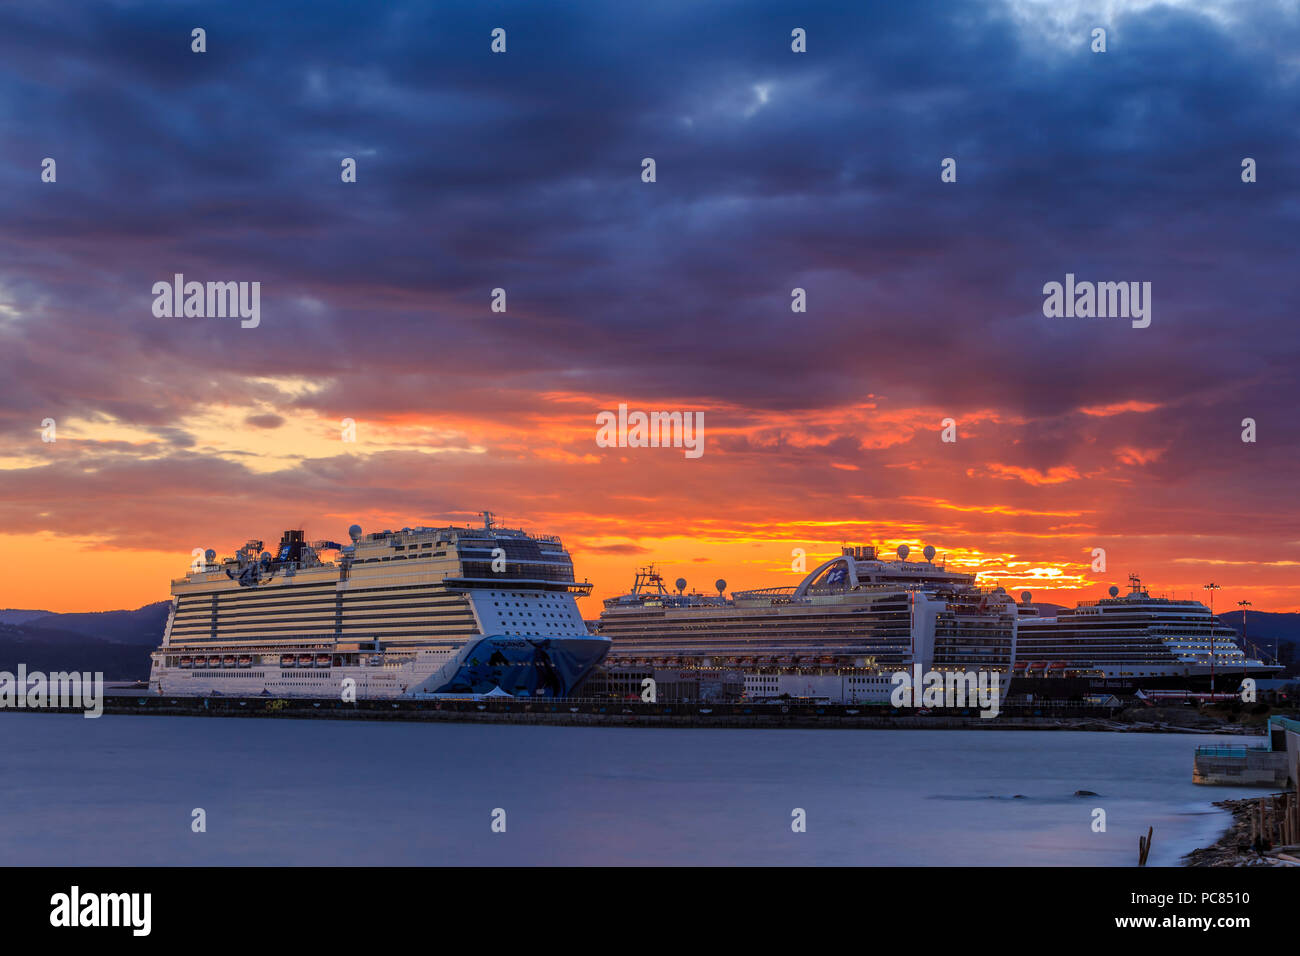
x=1196, y=679
x=533, y=667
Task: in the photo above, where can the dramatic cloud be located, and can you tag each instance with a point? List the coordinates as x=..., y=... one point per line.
x=775, y=171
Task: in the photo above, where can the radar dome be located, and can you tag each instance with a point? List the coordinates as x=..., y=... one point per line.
x=720, y=584
x=354, y=532
x=903, y=551
x=681, y=584
x=1114, y=591
x=928, y=551
x=265, y=558
x=209, y=555
x=1026, y=597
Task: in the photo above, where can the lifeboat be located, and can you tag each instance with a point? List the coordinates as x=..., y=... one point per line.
x=304, y=660
x=187, y=662
x=322, y=660
x=228, y=660
x=1020, y=665
x=214, y=661
x=286, y=660
x=245, y=660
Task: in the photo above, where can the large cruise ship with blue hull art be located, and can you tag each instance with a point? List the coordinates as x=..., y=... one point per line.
x=409, y=613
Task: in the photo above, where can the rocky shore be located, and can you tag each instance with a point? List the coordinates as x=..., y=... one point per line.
x=1234, y=847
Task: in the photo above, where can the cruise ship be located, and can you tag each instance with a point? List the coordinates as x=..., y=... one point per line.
x=857, y=614
x=420, y=611
x=1132, y=641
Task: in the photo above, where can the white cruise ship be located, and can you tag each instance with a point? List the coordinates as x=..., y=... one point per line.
x=1134, y=640
x=856, y=615
x=399, y=613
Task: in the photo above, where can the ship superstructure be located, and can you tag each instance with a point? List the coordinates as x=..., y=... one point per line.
x=856, y=614
x=1137, y=639
x=448, y=610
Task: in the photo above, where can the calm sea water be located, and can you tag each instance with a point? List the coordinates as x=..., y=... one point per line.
x=120, y=790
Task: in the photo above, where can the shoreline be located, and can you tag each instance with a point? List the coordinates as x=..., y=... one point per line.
x=586, y=712
x=1233, y=848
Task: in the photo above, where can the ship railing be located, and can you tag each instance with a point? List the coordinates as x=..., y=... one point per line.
x=1214, y=750
x=766, y=592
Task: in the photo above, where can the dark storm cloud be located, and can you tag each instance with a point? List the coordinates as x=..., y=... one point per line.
x=775, y=170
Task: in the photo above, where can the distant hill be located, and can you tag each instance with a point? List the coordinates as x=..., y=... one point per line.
x=1270, y=629
x=143, y=626
x=114, y=642
x=48, y=649
x=1047, y=610
x=12, y=615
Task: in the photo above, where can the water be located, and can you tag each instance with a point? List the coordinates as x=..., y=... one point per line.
x=120, y=790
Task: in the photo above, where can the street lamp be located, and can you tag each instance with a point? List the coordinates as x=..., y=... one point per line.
x=1213, y=621
x=1243, y=605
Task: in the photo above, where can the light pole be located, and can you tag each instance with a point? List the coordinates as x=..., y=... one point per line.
x=1212, y=587
x=1243, y=605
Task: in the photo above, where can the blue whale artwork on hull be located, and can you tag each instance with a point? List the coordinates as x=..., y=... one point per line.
x=535, y=667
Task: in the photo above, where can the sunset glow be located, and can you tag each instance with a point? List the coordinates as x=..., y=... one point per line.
x=817, y=172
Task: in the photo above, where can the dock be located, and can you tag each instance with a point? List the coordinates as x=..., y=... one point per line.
x=1276, y=763
x=1039, y=715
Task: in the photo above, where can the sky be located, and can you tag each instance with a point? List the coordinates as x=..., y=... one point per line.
x=774, y=170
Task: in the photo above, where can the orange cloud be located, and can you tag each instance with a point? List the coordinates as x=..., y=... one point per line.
x=1032, y=476
x=1118, y=408
x=1138, y=456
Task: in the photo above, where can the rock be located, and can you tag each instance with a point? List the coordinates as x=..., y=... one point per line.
x=1084, y=793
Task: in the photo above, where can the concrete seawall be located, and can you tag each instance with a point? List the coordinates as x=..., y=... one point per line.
x=636, y=713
